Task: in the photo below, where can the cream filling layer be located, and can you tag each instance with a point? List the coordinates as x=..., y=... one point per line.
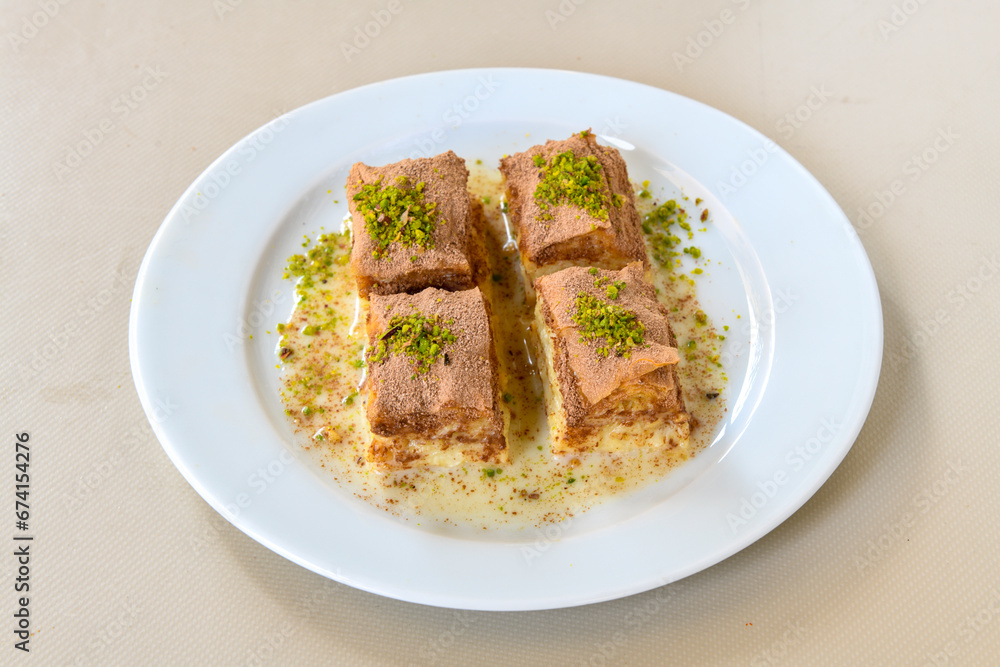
x=438, y=448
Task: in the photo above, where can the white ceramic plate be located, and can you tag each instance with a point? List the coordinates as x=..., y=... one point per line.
x=803, y=356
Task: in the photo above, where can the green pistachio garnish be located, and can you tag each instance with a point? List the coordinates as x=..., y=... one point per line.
x=656, y=224
x=619, y=328
x=613, y=289
x=317, y=264
x=567, y=179
x=418, y=337
x=663, y=248
x=662, y=213
x=397, y=214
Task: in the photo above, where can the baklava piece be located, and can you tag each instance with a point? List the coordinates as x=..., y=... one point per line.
x=611, y=359
x=571, y=204
x=414, y=226
x=432, y=385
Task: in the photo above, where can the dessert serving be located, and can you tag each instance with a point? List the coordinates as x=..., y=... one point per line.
x=611, y=358
x=447, y=370
x=412, y=224
x=433, y=394
x=571, y=204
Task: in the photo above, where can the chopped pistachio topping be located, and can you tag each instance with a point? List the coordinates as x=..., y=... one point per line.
x=610, y=289
x=317, y=264
x=644, y=193
x=613, y=289
x=618, y=328
x=664, y=215
x=656, y=225
x=567, y=179
x=397, y=214
x=418, y=337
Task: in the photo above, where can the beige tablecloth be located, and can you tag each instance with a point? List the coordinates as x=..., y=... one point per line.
x=109, y=111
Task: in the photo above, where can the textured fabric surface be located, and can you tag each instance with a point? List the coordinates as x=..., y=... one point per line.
x=893, y=561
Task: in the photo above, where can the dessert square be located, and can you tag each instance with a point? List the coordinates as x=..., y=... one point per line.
x=413, y=226
x=571, y=204
x=610, y=357
x=432, y=387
